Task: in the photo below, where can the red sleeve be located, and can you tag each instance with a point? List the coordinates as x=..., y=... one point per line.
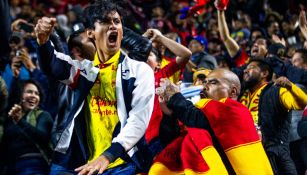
x=241, y=58
x=170, y=69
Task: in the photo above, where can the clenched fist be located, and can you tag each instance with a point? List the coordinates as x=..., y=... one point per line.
x=43, y=29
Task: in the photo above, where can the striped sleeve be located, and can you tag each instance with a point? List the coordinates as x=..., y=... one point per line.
x=62, y=67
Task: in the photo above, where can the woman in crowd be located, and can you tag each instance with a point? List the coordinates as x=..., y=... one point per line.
x=27, y=132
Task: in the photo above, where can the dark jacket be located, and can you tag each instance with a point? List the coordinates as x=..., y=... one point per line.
x=138, y=47
x=273, y=117
x=20, y=139
x=294, y=74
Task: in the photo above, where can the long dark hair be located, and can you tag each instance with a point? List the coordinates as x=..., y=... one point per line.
x=16, y=93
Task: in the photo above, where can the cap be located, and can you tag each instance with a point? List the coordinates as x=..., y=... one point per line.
x=201, y=72
x=277, y=49
x=78, y=28
x=201, y=40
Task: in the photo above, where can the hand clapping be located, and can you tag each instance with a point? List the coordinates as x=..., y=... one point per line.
x=166, y=90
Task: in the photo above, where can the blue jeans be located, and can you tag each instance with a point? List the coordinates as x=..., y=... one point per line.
x=28, y=166
x=125, y=169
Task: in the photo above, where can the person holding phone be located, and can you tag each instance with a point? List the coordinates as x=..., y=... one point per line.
x=21, y=67
x=22, y=25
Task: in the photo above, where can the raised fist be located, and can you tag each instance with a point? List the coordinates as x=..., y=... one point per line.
x=43, y=29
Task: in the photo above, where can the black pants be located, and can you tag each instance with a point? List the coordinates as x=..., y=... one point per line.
x=298, y=152
x=281, y=162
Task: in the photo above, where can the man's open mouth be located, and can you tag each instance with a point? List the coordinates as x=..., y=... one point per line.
x=255, y=50
x=113, y=37
x=203, y=94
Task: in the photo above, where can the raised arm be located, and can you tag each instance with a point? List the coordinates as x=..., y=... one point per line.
x=303, y=23
x=291, y=96
x=43, y=29
x=55, y=64
x=230, y=44
x=183, y=54
x=294, y=74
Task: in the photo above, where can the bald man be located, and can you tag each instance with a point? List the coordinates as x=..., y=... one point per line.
x=219, y=84
x=229, y=123
x=222, y=83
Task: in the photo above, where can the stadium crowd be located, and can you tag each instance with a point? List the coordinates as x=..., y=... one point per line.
x=153, y=87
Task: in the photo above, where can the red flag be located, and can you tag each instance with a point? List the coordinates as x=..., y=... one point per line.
x=222, y=5
x=199, y=7
x=191, y=153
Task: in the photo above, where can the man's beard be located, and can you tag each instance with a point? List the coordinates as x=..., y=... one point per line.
x=252, y=82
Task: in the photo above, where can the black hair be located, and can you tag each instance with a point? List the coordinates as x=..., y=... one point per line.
x=267, y=41
x=261, y=30
x=223, y=59
x=268, y=21
x=15, y=38
x=303, y=52
x=22, y=85
x=15, y=97
x=74, y=40
x=157, y=53
x=264, y=66
x=99, y=11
